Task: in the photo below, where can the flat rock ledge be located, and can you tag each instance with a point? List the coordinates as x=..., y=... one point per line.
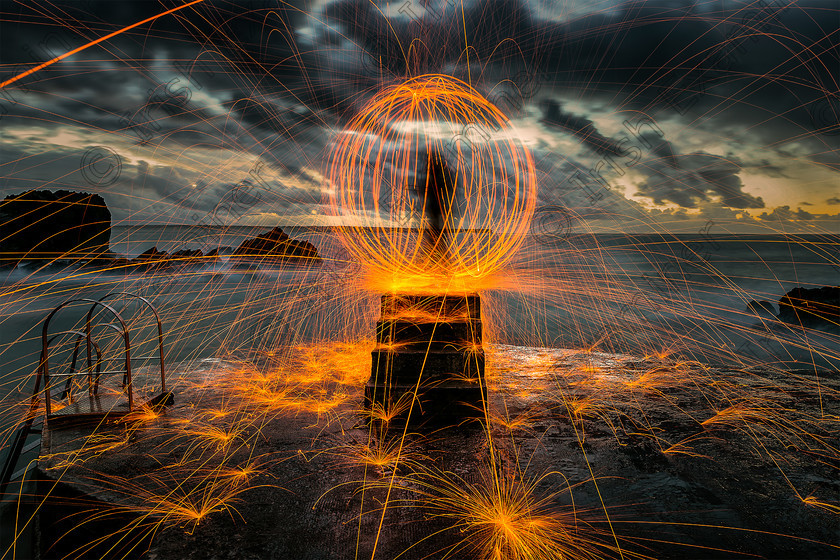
x=600, y=451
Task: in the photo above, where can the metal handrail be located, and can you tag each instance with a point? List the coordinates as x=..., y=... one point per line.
x=99, y=361
x=159, y=329
x=20, y=438
x=16, y=447
x=44, y=368
x=18, y=442
x=73, y=371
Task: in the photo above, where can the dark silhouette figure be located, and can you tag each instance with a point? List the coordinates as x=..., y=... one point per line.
x=437, y=192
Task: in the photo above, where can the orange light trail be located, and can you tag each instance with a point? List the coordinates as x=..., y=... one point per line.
x=377, y=175
x=586, y=351
x=94, y=42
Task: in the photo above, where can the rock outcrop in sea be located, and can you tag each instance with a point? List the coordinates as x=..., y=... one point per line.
x=811, y=307
x=45, y=226
x=276, y=245
x=152, y=258
x=762, y=308
x=273, y=246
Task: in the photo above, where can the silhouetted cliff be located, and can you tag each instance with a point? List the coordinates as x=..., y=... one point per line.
x=46, y=225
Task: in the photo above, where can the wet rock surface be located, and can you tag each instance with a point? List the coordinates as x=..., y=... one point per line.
x=659, y=458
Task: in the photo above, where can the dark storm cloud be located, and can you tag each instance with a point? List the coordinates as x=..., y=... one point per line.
x=138, y=191
x=273, y=114
x=168, y=183
x=589, y=201
x=634, y=53
x=714, y=68
x=785, y=214
x=282, y=77
x=228, y=51
x=673, y=54
x=356, y=47
x=21, y=169
x=637, y=54
x=721, y=61
x=696, y=179
x=833, y=201
x=723, y=180
x=277, y=194
x=492, y=28
x=580, y=127
x=155, y=87
x=764, y=167
x=687, y=180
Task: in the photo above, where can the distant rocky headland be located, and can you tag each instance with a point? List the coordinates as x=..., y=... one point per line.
x=63, y=227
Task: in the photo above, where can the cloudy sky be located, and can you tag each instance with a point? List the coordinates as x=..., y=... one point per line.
x=639, y=115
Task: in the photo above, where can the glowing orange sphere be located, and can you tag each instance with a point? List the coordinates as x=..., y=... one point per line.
x=432, y=186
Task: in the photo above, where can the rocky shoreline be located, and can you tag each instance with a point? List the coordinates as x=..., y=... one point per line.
x=272, y=248
x=63, y=229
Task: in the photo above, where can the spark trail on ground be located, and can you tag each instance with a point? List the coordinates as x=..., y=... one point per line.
x=635, y=403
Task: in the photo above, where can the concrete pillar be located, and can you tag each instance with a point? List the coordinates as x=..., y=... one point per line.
x=431, y=346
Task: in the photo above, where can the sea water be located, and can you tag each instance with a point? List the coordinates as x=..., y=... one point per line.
x=684, y=294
